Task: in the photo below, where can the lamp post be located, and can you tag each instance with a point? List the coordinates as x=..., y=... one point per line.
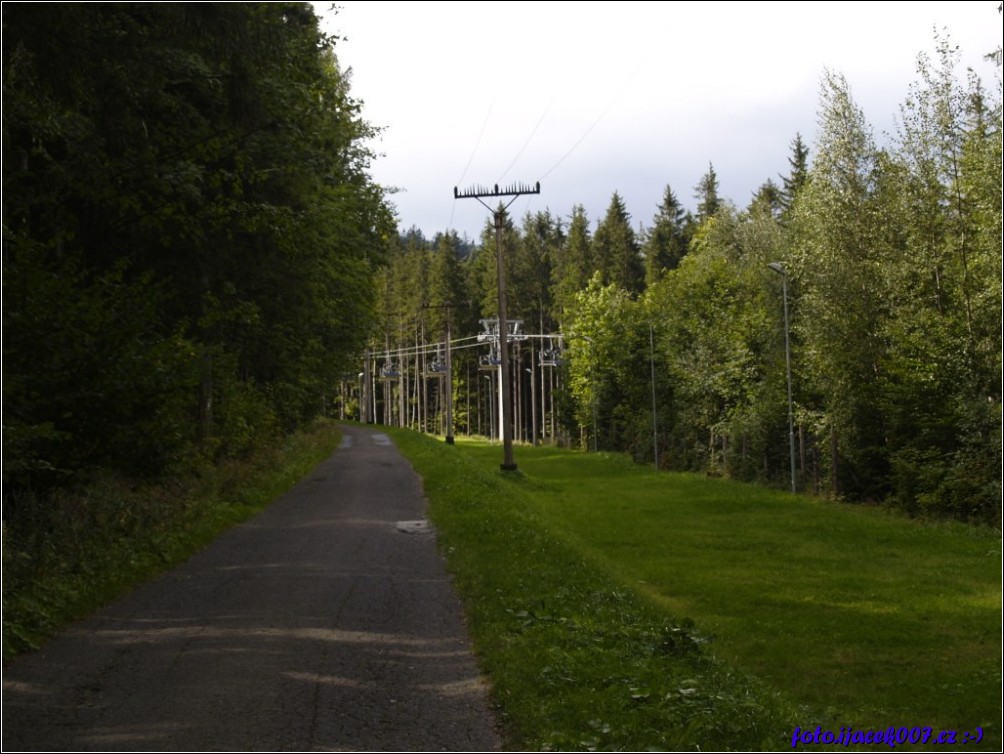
x=779, y=269
x=655, y=427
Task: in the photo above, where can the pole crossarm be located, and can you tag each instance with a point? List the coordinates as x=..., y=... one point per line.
x=481, y=192
x=516, y=190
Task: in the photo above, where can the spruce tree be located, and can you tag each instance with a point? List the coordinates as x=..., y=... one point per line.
x=797, y=176
x=768, y=199
x=572, y=264
x=706, y=193
x=666, y=243
x=616, y=251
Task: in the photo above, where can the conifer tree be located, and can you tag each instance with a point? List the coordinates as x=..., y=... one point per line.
x=767, y=199
x=573, y=264
x=616, y=251
x=797, y=175
x=706, y=193
x=666, y=242
x=542, y=239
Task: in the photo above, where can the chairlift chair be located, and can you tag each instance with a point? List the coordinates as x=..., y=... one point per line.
x=491, y=360
x=438, y=364
x=550, y=356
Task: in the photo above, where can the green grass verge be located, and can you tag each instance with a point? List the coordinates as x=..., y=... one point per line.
x=77, y=551
x=593, y=586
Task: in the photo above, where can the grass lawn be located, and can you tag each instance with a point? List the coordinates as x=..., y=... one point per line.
x=817, y=613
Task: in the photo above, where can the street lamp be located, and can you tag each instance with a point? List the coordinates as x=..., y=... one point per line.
x=779, y=269
x=651, y=361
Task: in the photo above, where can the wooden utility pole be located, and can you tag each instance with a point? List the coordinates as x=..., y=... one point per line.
x=508, y=463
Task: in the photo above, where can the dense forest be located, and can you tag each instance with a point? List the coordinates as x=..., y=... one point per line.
x=190, y=233
x=196, y=260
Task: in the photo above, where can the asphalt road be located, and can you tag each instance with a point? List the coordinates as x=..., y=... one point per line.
x=326, y=623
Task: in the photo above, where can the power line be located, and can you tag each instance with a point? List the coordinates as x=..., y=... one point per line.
x=528, y=138
x=618, y=93
x=474, y=151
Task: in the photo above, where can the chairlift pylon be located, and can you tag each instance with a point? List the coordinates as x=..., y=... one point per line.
x=514, y=330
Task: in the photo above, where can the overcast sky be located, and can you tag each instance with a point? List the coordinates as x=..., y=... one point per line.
x=590, y=98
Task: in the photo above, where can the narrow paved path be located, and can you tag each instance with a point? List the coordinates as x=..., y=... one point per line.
x=326, y=623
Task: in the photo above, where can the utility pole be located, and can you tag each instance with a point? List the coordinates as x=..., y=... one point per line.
x=515, y=191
